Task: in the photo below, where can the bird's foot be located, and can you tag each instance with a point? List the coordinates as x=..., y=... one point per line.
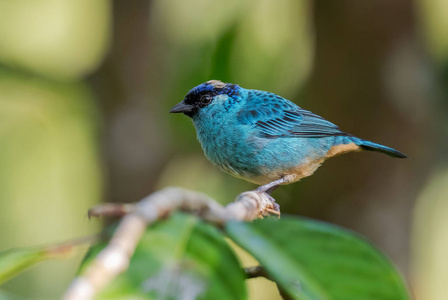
x=276, y=206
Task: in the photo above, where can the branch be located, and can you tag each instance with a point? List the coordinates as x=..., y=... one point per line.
x=255, y=272
x=111, y=210
x=114, y=259
x=259, y=271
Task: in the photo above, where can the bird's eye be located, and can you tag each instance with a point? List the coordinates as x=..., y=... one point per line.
x=206, y=99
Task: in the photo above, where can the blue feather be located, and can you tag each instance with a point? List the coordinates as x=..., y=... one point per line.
x=276, y=117
x=380, y=148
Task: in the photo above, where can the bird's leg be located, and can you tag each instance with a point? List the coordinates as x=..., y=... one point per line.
x=271, y=186
x=270, y=190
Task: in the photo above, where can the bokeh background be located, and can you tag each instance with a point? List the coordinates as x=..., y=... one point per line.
x=86, y=85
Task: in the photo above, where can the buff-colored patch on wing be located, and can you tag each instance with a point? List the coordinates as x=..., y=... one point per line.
x=217, y=84
x=341, y=149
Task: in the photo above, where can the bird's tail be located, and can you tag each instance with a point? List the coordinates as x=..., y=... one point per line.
x=367, y=145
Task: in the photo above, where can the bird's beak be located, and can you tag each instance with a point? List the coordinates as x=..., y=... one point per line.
x=182, y=108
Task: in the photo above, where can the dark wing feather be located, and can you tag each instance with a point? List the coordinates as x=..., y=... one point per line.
x=273, y=117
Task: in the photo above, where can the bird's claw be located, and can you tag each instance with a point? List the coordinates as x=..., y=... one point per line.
x=267, y=189
x=275, y=205
x=274, y=208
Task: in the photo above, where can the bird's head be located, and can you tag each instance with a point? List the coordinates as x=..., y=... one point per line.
x=206, y=95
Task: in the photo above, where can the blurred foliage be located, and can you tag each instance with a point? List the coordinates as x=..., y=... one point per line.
x=178, y=258
x=58, y=39
x=85, y=85
x=430, y=243
x=434, y=27
x=236, y=38
x=50, y=171
x=183, y=258
x=430, y=239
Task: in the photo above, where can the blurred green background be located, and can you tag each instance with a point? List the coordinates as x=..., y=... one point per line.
x=86, y=85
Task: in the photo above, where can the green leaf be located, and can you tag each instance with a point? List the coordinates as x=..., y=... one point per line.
x=8, y=296
x=15, y=261
x=317, y=261
x=178, y=258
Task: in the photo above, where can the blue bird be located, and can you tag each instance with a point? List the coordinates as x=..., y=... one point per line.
x=263, y=138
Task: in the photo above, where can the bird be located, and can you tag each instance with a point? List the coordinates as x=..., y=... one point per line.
x=264, y=138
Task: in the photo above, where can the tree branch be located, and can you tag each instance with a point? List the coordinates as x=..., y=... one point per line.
x=259, y=271
x=255, y=272
x=111, y=210
x=114, y=259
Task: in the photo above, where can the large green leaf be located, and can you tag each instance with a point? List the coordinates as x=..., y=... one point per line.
x=314, y=261
x=179, y=258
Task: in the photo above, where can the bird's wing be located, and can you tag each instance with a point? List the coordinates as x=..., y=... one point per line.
x=273, y=116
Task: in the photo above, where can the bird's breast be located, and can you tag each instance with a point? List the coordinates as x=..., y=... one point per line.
x=229, y=146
